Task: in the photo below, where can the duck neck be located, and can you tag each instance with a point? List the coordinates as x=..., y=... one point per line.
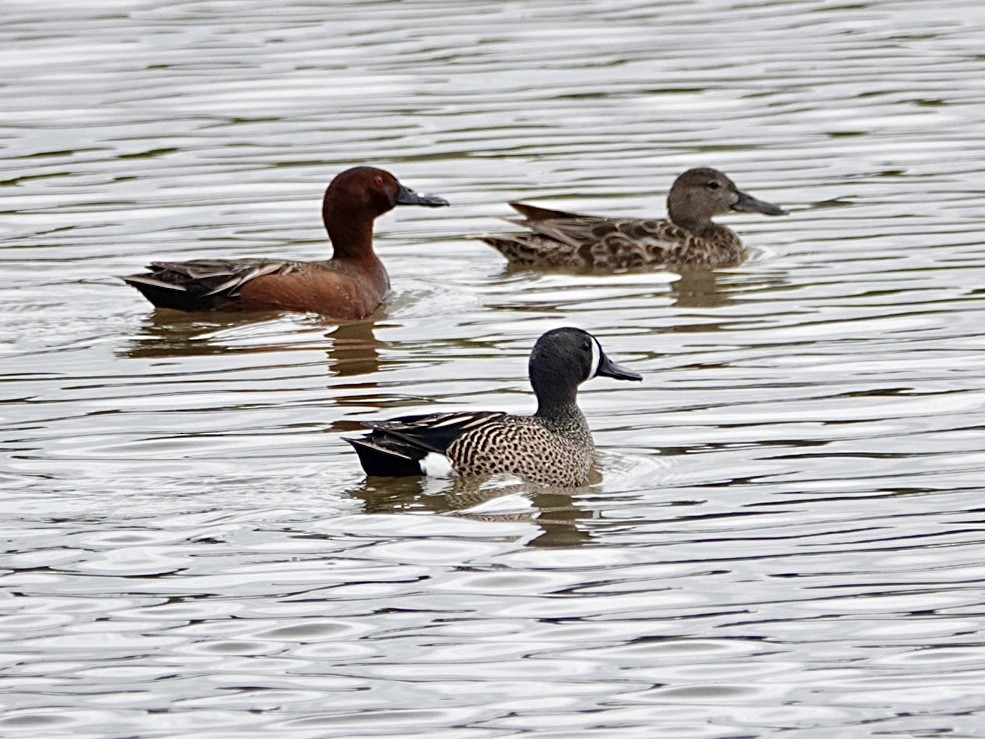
x=687, y=220
x=559, y=407
x=703, y=227
x=350, y=232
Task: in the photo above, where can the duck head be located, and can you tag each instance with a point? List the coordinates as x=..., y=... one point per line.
x=702, y=193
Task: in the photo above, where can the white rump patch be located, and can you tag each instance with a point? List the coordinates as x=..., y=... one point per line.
x=596, y=357
x=437, y=465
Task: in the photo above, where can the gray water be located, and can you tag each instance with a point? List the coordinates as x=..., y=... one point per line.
x=788, y=534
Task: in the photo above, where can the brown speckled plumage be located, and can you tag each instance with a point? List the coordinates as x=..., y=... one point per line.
x=689, y=239
x=527, y=446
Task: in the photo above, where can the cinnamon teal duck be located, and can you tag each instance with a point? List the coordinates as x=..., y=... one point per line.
x=553, y=446
x=349, y=286
x=689, y=239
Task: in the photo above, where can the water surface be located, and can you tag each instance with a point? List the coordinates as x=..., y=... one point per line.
x=788, y=532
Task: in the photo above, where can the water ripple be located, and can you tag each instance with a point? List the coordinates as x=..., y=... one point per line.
x=786, y=529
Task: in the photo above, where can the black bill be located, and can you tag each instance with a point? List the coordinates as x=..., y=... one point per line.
x=406, y=196
x=608, y=368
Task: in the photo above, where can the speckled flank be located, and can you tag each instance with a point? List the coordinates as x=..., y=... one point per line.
x=527, y=447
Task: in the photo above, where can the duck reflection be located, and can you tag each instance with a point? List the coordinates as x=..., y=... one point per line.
x=351, y=348
x=698, y=288
x=552, y=509
x=169, y=334
x=705, y=288
x=354, y=350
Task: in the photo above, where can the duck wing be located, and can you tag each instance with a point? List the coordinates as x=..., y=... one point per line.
x=416, y=445
x=202, y=284
x=561, y=239
x=536, y=213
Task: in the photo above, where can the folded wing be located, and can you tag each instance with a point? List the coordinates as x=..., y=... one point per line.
x=202, y=284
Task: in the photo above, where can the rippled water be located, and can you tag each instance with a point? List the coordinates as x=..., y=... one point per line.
x=789, y=531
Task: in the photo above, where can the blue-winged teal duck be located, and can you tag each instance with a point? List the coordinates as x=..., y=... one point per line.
x=554, y=446
x=349, y=286
x=689, y=239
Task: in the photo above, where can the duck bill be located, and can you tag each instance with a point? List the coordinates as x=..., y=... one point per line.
x=608, y=368
x=406, y=196
x=749, y=204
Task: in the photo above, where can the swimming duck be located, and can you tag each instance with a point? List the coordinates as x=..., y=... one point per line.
x=554, y=446
x=689, y=239
x=349, y=286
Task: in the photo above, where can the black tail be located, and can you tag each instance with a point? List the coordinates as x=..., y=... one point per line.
x=384, y=462
x=170, y=297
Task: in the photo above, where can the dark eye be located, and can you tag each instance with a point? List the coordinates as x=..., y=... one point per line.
x=378, y=181
x=714, y=185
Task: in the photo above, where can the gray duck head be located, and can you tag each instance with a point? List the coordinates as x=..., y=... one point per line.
x=702, y=193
